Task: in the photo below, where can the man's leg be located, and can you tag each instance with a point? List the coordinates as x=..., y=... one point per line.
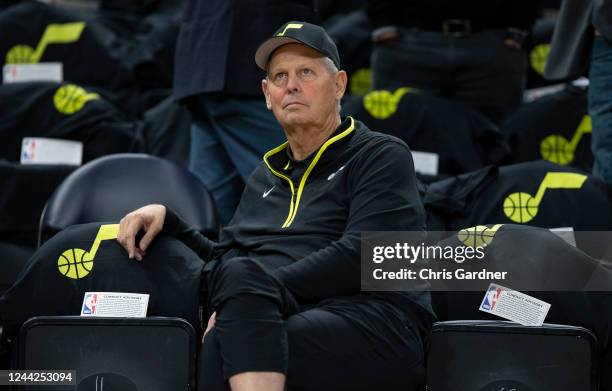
x=415, y=59
x=210, y=162
x=247, y=347
x=489, y=75
x=354, y=346
x=600, y=107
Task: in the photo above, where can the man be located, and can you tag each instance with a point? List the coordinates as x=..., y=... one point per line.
x=283, y=284
x=221, y=86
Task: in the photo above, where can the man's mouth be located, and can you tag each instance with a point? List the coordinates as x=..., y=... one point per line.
x=293, y=104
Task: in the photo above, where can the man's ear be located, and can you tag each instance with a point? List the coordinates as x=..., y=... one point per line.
x=264, y=88
x=341, y=81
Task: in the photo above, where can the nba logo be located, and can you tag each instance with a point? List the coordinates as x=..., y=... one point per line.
x=89, y=304
x=28, y=149
x=491, y=298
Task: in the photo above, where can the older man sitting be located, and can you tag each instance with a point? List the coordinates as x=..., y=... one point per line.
x=283, y=283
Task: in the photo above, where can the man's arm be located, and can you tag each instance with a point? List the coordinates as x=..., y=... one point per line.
x=191, y=237
x=384, y=197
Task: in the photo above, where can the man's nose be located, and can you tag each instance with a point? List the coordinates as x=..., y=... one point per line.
x=293, y=83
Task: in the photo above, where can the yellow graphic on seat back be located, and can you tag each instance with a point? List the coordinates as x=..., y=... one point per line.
x=76, y=263
x=69, y=98
x=381, y=104
x=54, y=33
x=478, y=236
x=361, y=81
x=557, y=149
x=538, y=57
x=523, y=207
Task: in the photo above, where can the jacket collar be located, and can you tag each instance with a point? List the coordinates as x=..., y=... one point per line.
x=278, y=159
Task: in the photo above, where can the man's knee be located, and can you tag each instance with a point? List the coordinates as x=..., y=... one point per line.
x=242, y=277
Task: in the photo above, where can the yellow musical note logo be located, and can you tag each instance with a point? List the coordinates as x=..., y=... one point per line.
x=289, y=26
x=522, y=207
x=557, y=149
x=54, y=33
x=76, y=263
x=381, y=104
x=478, y=236
x=70, y=98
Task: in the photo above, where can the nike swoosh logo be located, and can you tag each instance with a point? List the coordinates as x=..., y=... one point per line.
x=331, y=176
x=265, y=194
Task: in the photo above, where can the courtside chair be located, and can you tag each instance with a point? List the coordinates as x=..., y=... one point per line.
x=107, y=188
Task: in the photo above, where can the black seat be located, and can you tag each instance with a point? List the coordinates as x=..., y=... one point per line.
x=124, y=354
x=499, y=355
x=107, y=188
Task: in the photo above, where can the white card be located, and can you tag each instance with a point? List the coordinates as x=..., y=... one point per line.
x=425, y=162
x=515, y=306
x=565, y=233
x=40, y=150
x=115, y=304
x=46, y=71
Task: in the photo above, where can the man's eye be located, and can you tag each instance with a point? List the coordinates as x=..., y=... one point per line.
x=306, y=72
x=280, y=76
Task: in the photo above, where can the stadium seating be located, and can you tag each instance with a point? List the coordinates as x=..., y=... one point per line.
x=110, y=187
x=497, y=355
x=127, y=354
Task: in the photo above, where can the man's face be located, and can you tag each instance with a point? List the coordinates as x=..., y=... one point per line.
x=300, y=89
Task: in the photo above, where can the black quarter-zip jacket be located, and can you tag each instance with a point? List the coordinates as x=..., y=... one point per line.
x=303, y=219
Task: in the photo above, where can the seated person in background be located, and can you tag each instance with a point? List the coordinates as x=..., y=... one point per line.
x=283, y=283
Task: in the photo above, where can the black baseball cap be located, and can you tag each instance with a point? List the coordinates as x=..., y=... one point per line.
x=298, y=32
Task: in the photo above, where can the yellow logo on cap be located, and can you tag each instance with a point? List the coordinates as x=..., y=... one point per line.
x=289, y=26
x=54, y=33
x=522, y=207
x=76, y=263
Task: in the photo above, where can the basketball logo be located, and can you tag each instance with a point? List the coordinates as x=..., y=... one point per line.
x=77, y=263
x=382, y=104
x=520, y=207
x=478, y=236
x=538, y=57
x=54, y=33
x=74, y=263
x=523, y=207
x=361, y=81
x=557, y=149
x=69, y=99
x=19, y=54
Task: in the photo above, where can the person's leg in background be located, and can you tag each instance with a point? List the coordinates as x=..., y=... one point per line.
x=209, y=161
x=600, y=107
x=229, y=138
x=414, y=59
x=247, y=130
x=489, y=76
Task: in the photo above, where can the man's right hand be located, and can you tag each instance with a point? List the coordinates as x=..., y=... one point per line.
x=150, y=219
